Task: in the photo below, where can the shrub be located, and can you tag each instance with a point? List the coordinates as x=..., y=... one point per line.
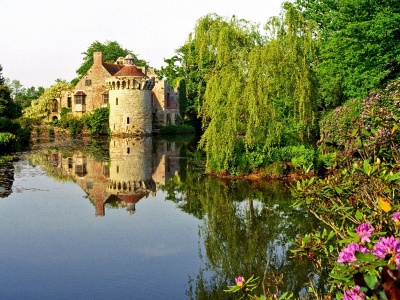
x=97, y=122
x=7, y=141
x=177, y=129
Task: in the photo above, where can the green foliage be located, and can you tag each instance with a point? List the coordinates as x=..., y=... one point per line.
x=177, y=129
x=363, y=188
x=8, y=108
x=359, y=46
x=8, y=125
x=41, y=108
x=97, y=121
x=111, y=51
x=367, y=127
x=65, y=111
x=7, y=142
x=1, y=76
x=254, y=94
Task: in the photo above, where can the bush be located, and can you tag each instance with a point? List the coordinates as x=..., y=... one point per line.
x=8, y=125
x=97, y=122
x=7, y=141
x=177, y=129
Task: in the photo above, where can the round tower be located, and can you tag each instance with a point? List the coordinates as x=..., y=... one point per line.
x=131, y=169
x=130, y=100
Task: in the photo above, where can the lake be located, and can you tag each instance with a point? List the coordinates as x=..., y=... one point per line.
x=136, y=218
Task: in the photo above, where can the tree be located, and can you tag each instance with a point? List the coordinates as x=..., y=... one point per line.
x=8, y=108
x=360, y=46
x=260, y=89
x=111, y=51
x=41, y=107
x=186, y=72
x=1, y=76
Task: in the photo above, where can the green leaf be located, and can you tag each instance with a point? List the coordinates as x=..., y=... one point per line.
x=359, y=215
x=365, y=257
x=366, y=167
x=338, y=190
x=394, y=177
x=371, y=281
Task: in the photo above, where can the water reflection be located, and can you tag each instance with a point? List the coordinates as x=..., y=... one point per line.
x=132, y=169
x=244, y=226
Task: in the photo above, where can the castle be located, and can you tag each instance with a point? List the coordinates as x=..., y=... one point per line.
x=137, y=99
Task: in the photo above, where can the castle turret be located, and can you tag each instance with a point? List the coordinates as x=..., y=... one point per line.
x=130, y=100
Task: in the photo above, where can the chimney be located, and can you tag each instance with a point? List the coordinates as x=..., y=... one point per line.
x=98, y=58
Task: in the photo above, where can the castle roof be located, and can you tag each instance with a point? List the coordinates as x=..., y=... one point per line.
x=112, y=68
x=130, y=70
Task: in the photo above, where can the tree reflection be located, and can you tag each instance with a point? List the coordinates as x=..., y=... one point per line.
x=245, y=227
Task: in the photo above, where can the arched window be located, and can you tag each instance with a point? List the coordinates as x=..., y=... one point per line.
x=127, y=120
x=116, y=101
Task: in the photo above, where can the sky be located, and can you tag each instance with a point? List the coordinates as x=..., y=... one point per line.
x=43, y=40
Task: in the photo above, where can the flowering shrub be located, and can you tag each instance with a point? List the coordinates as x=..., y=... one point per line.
x=244, y=288
x=368, y=267
x=366, y=127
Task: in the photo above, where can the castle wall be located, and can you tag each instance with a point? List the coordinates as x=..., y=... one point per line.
x=165, y=104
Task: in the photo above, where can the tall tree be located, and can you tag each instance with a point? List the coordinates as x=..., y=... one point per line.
x=260, y=88
x=111, y=51
x=187, y=71
x=360, y=45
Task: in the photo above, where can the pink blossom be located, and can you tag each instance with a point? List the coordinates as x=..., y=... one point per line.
x=353, y=294
x=364, y=231
x=348, y=253
x=388, y=246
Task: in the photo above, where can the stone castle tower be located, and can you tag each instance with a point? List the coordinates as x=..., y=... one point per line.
x=131, y=169
x=130, y=100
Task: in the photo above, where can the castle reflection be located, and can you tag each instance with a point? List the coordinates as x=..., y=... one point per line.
x=136, y=168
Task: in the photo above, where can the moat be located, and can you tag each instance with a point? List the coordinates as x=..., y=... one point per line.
x=131, y=218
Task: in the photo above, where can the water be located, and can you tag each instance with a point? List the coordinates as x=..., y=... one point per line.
x=137, y=219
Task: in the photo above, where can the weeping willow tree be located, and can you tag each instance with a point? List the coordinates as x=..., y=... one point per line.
x=261, y=91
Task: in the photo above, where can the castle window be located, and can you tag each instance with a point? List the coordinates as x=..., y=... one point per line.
x=89, y=185
x=117, y=169
x=88, y=82
x=106, y=171
x=128, y=150
x=69, y=102
x=116, y=101
x=127, y=120
x=168, y=101
x=105, y=98
x=70, y=162
x=80, y=99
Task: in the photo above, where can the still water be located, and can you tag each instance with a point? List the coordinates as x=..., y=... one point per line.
x=138, y=219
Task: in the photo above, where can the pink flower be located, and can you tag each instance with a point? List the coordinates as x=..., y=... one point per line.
x=388, y=246
x=364, y=231
x=348, y=253
x=353, y=294
x=396, y=218
x=239, y=281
